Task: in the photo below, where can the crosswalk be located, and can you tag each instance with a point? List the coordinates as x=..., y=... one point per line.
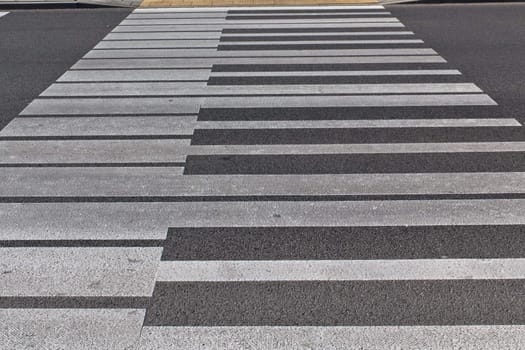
x=262, y=178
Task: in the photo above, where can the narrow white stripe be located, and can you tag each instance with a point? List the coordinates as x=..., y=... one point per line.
x=167, y=181
x=93, y=151
x=201, y=89
x=135, y=75
x=337, y=73
x=88, y=272
x=190, y=21
x=152, y=44
x=338, y=337
x=340, y=270
x=208, y=27
x=319, y=42
x=79, y=329
x=145, y=63
x=105, y=125
x=350, y=124
x=313, y=34
x=25, y=221
x=255, y=8
x=368, y=148
x=165, y=35
x=174, y=53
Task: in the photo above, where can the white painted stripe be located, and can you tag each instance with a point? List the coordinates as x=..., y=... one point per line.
x=483, y=337
x=86, y=272
x=171, y=44
x=312, y=34
x=367, y=148
x=254, y=8
x=152, y=44
x=250, y=15
x=164, y=35
x=151, y=220
x=202, y=53
x=217, y=35
x=340, y=270
x=79, y=329
x=144, y=63
x=201, y=89
x=320, y=42
x=105, y=125
x=93, y=151
x=190, y=105
x=167, y=181
x=208, y=27
x=190, y=21
x=350, y=124
x=136, y=75
x=337, y=73
x=3, y=14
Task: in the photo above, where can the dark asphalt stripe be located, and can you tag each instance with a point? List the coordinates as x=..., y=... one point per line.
x=358, y=303
x=349, y=113
x=361, y=136
x=293, y=198
x=391, y=79
x=310, y=37
x=348, y=243
x=232, y=17
x=274, y=47
x=74, y=302
x=355, y=163
x=82, y=243
x=322, y=67
x=301, y=30
x=67, y=165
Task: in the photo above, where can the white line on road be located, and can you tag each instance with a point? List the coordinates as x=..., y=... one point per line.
x=3, y=14
x=136, y=75
x=190, y=21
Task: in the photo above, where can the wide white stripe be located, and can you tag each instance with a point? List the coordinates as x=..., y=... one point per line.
x=164, y=35
x=320, y=42
x=212, y=21
x=340, y=270
x=312, y=34
x=153, y=44
x=93, y=151
x=190, y=105
x=337, y=73
x=201, y=89
x=348, y=124
x=88, y=272
x=145, y=63
x=151, y=220
x=254, y=8
x=197, y=14
x=338, y=337
x=136, y=75
x=79, y=329
x=167, y=181
x=212, y=27
x=202, y=53
x=105, y=125
x=368, y=148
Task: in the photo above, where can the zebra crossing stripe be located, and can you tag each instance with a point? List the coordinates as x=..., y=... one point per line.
x=86, y=271
x=3, y=14
x=435, y=337
x=190, y=21
x=136, y=75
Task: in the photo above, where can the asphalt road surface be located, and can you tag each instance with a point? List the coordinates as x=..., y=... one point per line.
x=328, y=178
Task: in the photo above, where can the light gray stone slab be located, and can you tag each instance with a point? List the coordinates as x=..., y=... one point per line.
x=147, y=220
x=136, y=75
x=474, y=337
x=79, y=329
x=202, y=89
x=167, y=181
x=104, y=125
x=203, y=53
x=85, y=272
x=93, y=151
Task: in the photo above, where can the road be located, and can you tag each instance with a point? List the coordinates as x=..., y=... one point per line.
x=263, y=179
